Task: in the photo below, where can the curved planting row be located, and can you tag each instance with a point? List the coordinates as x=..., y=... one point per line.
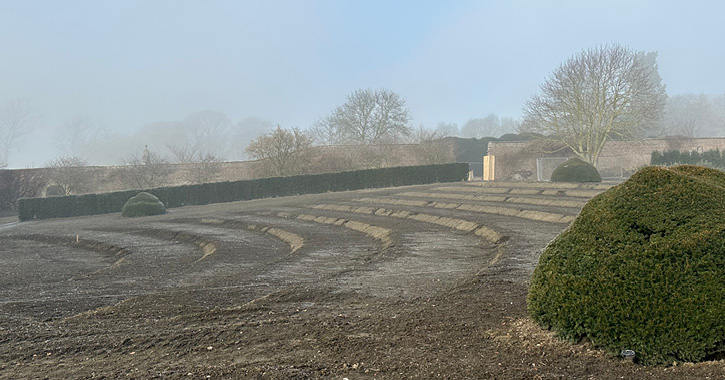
x=459, y=224
x=499, y=210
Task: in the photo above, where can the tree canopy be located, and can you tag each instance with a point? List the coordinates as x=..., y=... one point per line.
x=281, y=150
x=367, y=117
x=606, y=92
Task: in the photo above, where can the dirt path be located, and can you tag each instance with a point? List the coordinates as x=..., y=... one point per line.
x=416, y=282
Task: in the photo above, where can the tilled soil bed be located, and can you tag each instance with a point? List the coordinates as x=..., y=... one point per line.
x=416, y=282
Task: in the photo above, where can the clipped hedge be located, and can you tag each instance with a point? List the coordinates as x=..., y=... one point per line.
x=575, y=170
x=642, y=268
x=218, y=192
x=143, y=204
x=713, y=158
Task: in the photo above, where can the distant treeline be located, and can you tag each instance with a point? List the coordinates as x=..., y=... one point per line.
x=218, y=192
x=712, y=158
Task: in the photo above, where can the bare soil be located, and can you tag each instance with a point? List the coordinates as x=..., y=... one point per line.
x=281, y=289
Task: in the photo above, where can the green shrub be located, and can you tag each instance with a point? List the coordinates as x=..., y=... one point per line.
x=54, y=191
x=575, y=170
x=642, y=268
x=143, y=204
x=711, y=158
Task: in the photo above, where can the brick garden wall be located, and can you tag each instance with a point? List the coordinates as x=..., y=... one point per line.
x=321, y=160
x=517, y=160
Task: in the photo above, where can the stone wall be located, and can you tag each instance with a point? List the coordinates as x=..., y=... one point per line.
x=322, y=159
x=518, y=160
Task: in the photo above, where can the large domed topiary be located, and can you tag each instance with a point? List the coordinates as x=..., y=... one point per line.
x=642, y=268
x=575, y=170
x=143, y=204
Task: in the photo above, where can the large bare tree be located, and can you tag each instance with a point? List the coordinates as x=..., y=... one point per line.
x=78, y=134
x=367, y=117
x=17, y=119
x=606, y=92
x=327, y=131
x=209, y=131
x=282, y=151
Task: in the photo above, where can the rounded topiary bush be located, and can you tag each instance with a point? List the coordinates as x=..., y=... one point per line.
x=143, y=204
x=641, y=268
x=54, y=191
x=575, y=170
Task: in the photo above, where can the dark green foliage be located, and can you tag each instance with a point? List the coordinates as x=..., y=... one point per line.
x=575, y=170
x=143, y=204
x=642, y=268
x=177, y=196
x=472, y=149
x=516, y=137
x=54, y=191
x=713, y=158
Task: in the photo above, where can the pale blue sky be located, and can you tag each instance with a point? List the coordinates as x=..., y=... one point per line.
x=129, y=63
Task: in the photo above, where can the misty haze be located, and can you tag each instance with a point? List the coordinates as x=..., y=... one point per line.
x=103, y=80
x=349, y=189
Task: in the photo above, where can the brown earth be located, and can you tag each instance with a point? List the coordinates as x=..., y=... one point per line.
x=417, y=282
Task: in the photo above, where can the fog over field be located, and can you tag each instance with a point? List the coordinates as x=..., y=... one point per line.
x=127, y=67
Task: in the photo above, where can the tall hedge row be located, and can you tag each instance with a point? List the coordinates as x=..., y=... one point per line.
x=218, y=192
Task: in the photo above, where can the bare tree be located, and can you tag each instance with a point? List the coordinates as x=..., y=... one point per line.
x=247, y=130
x=283, y=151
x=184, y=154
x=508, y=125
x=326, y=131
x=148, y=170
x=432, y=148
x=200, y=167
x=69, y=173
x=77, y=135
x=16, y=184
x=447, y=129
x=490, y=126
x=17, y=119
x=209, y=131
x=688, y=115
x=368, y=117
x=482, y=127
x=599, y=94
x=206, y=169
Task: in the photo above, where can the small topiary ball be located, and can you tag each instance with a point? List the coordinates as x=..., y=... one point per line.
x=575, y=170
x=143, y=204
x=642, y=268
